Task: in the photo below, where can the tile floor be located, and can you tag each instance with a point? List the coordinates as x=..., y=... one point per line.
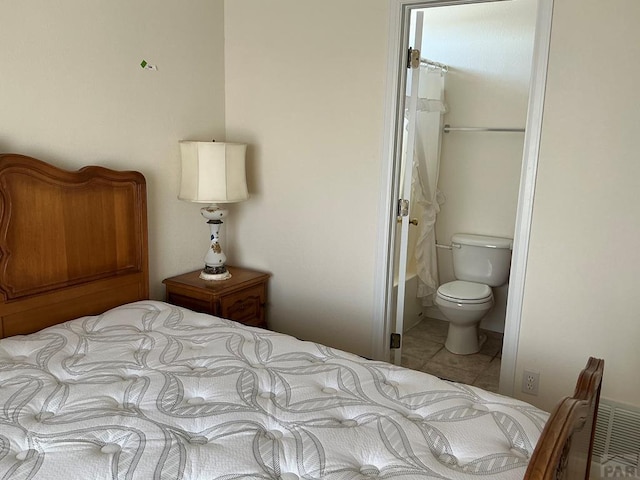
x=423, y=349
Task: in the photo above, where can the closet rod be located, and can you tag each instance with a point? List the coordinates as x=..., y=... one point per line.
x=448, y=128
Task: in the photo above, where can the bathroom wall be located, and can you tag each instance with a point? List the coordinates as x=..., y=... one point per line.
x=488, y=48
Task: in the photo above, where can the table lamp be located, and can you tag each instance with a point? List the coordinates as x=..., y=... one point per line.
x=213, y=173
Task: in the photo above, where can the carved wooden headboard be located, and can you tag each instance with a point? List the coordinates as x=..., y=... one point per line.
x=71, y=243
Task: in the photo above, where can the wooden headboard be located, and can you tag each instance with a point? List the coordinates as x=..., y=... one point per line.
x=71, y=243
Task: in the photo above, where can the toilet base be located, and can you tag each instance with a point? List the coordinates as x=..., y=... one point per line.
x=464, y=340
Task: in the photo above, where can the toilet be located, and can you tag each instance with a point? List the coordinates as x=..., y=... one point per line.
x=479, y=263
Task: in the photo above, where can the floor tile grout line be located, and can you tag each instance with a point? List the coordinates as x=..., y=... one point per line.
x=423, y=365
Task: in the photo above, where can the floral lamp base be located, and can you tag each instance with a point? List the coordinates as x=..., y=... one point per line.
x=215, y=259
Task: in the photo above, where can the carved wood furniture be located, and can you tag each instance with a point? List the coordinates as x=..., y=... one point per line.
x=566, y=443
x=241, y=298
x=71, y=243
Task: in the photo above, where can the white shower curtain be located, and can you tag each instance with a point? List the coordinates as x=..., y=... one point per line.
x=426, y=164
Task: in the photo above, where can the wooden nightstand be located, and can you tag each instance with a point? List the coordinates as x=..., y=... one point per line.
x=241, y=298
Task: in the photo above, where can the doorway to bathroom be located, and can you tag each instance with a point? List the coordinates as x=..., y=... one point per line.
x=458, y=160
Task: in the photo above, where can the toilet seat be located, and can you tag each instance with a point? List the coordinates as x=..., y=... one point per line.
x=463, y=292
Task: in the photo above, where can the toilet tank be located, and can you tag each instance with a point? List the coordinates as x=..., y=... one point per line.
x=481, y=259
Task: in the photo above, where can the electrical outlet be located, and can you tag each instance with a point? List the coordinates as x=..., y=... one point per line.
x=530, y=382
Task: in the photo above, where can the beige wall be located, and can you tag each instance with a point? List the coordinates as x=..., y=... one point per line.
x=72, y=92
x=305, y=88
x=582, y=275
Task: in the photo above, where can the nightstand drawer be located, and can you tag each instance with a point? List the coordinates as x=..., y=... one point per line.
x=241, y=298
x=202, y=305
x=245, y=306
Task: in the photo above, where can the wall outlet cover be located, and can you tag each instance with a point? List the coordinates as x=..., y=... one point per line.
x=530, y=382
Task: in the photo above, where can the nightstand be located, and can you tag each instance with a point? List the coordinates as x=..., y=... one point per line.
x=241, y=298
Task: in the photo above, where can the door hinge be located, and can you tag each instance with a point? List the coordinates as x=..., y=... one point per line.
x=403, y=207
x=396, y=339
x=413, y=58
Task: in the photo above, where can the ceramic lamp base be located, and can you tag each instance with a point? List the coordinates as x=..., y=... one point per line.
x=214, y=277
x=215, y=259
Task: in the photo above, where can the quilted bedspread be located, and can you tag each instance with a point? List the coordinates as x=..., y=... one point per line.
x=153, y=391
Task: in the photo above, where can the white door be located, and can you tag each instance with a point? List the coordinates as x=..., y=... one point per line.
x=406, y=169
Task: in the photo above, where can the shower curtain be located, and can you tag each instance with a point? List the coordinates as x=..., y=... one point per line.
x=426, y=163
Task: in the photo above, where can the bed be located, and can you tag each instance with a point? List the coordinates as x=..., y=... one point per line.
x=98, y=381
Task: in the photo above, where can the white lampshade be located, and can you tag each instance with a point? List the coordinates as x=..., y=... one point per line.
x=213, y=172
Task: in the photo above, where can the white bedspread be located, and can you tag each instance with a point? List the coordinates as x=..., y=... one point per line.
x=150, y=391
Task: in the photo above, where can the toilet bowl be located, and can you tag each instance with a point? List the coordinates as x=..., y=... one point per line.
x=464, y=304
x=479, y=263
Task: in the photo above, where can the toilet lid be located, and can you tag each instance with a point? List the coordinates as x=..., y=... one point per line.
x=465, y=292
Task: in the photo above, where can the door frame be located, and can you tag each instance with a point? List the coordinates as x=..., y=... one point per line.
x=399, y=13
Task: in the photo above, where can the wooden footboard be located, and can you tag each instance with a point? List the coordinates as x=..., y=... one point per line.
x=565, y=445
x=71, y=243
